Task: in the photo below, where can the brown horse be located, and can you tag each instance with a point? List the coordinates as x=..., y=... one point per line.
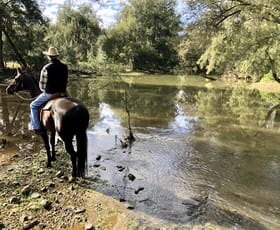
x=65, y=116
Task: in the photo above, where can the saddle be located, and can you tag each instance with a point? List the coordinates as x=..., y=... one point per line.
x=45, y=111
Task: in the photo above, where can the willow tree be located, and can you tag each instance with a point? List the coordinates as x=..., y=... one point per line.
x=75, y=33
x=240, y=33
x=21, y=24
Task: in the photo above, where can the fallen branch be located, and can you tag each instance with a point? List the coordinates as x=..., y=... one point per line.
x=31, y=225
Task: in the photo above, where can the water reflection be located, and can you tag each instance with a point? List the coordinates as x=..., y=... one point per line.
x=13, y=116
x=13, y=126
x=180, y=124
x=218, y=153
x=108, y=121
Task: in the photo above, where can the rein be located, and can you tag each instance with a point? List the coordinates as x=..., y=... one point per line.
x=23, y=98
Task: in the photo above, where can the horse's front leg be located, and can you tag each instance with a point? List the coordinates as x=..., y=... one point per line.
x=45, y=138
x=52, y=141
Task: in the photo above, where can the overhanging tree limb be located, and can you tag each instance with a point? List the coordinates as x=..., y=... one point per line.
x=20, y=58
x=224, y=17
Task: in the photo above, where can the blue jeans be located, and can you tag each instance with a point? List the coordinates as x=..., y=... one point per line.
x=34, y=109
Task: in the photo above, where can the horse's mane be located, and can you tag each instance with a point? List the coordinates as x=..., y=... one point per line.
x=33, y=85
x=34, y=79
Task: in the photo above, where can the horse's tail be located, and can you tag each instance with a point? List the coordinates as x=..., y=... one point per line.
x=81, y=138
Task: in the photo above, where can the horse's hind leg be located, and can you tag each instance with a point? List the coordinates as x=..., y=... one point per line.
x=70, y=149
x=52, y=141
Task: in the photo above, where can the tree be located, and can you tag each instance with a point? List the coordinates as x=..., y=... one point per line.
x=191, y=47
x=239, y=33
x=75, y=33
x=120, y=41
x=147, y=32
x=20, y=21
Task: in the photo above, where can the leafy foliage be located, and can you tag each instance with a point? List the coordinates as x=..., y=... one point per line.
x=240, y=32
x=145, y=36
x=75, y=33
x=22, y=28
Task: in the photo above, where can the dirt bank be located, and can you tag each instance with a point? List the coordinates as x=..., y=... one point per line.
x=32, y=196
x=272, y=87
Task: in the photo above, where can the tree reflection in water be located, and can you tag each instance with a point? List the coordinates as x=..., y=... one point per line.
x=13, y=117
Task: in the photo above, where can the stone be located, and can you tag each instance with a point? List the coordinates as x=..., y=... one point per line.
x=40, y=171
x=23, y=218
x=15, y=183
x=35, y=195
x=59, y=174
x=122, y=200
x=14, y=200
x=98, y=158
x=26, y=190
x=120, y=168
x=31, y=225
x=78, y=211
x=131, y=177
x=44, y=189
x=34, y=207
x=46, y=204
x=5, y=204
x=103, y=168
x=51, y=184
x=65, y=178
x=89, y=227
x=138, y=190
x=129, y=205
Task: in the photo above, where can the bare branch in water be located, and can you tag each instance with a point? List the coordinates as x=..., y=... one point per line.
x=130, y=137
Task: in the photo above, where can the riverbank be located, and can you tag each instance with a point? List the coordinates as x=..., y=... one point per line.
x=272, y=87
x=36, y=197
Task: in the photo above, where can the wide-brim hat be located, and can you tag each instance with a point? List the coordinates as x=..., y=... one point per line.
x=51, y=52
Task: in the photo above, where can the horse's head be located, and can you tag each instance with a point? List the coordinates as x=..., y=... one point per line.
x=18, y=83
x=23, y=82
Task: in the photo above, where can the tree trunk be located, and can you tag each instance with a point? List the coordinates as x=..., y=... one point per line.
x=273, y=69
x=2, y=66
x=20, y=58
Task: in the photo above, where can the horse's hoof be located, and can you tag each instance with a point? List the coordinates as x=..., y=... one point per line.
x=74, y=174
x=53, y=159
x=82, y=176
x=49, y=165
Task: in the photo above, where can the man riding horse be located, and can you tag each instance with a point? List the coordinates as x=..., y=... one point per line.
x=53, y=80
x=65, y=116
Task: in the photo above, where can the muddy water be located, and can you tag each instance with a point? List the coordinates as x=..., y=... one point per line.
x=204, y=153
